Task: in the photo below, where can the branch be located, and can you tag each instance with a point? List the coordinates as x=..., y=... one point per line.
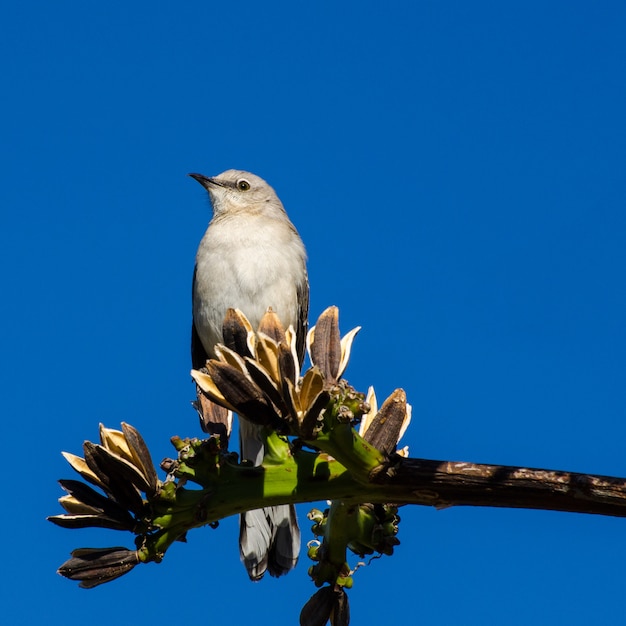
x=313, y=452
x=448, y=483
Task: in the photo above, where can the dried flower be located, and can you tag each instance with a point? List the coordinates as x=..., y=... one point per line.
x=329, y=603
x=86, y=507
x=94, y=566
x=327, y=351
x=384, y=428
x=214, y=419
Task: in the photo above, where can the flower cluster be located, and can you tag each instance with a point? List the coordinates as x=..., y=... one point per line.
x=257, y=375
x=121, y=467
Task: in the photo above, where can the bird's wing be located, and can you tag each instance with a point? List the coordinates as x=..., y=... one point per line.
x=199, y=355
x=303, y=317
x=214, y=419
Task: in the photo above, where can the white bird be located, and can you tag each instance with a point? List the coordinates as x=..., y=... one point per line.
x=251, y=258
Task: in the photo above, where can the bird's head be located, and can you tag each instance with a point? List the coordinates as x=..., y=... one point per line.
x=235, y=190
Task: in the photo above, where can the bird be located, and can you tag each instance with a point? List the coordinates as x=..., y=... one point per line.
x=251, y=258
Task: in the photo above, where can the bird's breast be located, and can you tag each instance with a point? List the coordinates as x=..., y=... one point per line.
x=250, y=266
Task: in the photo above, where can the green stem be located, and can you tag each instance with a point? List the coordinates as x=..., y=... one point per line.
x=346, y=445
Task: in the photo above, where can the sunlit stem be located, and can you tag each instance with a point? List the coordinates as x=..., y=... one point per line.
x=348, y=447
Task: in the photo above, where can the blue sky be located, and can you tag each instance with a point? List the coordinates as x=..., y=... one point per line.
x=459, y=165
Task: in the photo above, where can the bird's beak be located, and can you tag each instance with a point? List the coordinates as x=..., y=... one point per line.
x=205, y=181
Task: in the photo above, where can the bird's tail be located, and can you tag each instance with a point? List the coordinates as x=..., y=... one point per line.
x=269, y=540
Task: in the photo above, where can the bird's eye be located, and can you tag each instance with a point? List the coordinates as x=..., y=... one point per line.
x=243, y=185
